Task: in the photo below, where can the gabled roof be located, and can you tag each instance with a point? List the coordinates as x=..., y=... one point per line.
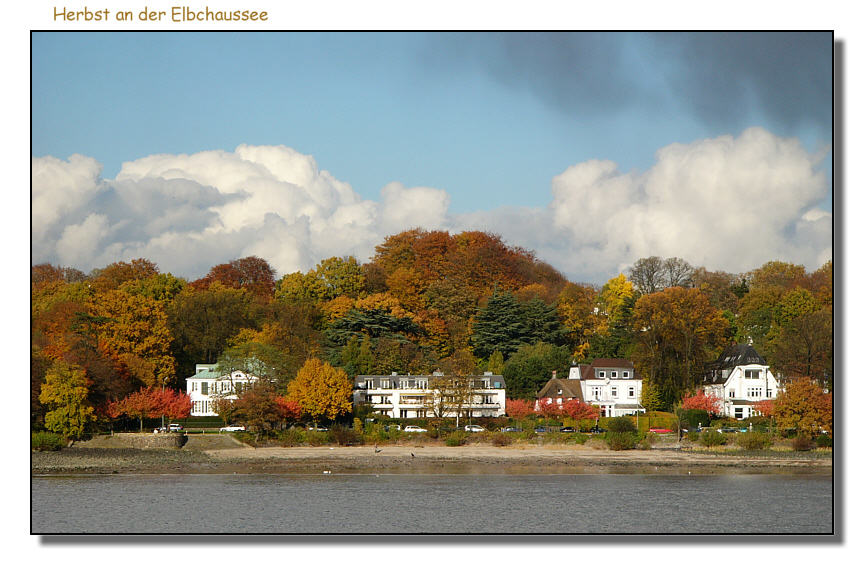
x=737, y=355
x=570, y=388
x=607, y=363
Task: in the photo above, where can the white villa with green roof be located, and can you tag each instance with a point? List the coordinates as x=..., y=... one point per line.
x=207, y=385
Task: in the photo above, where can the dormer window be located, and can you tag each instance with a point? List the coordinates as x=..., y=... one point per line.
x=625, y=374
x=601, y=374
x=614, y=374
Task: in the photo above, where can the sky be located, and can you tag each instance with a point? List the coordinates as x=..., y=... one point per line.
x=592, y=149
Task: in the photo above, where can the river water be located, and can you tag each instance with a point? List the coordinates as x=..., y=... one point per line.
x=412, y=504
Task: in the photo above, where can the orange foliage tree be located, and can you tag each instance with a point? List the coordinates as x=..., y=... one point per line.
x=711, y=403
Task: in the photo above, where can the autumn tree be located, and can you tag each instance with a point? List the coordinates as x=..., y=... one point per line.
x=64, y=394
x=577, y=410
x=700, y=401
x=576, y=309
x=804, y=348
x=677, y=331
x=250, y=273
x=202, y=322
x=152, y=403
x=322, y=390
x=134, y=329
x=519, y=409
x=450, y=396
x=260, y=408
x=803, y=405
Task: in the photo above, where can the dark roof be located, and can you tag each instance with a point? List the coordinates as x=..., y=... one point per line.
x=736, y=355
x=606, y=363
x=570, y=388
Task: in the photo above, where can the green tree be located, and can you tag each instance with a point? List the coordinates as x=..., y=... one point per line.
x=64, y=393
x=531, y=367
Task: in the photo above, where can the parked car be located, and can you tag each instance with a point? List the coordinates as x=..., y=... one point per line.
x=567, y=430
x=233, y=428
x=597, y=430
x=511, y=429
x=170, y=428
x=415, y=429
x=728, y=430
x=541, y=429
x=312, y=428
x=660, y=431
x=474, y=428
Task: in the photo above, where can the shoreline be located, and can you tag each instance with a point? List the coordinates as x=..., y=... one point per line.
x=228, y=456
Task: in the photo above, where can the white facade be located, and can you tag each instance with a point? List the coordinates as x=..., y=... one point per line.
x=613, y=385
x=206, y=386
x=740, y=377
x=408, y=396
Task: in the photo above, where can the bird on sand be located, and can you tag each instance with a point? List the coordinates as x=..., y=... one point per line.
x=376, y=449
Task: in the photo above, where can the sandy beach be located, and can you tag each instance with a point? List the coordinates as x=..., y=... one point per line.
x=223, y=454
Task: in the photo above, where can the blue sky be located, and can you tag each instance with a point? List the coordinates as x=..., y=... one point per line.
x=485, y=122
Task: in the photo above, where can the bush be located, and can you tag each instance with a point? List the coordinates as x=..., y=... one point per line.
x=316, y=439
x=46, y=441
x=456, y=439
x=693, y=436
x=290, y=438
x=345, y=436
x=619, y=441
x=754, y=441
x=712, y=438
x=577, y=438
x=824, y=440
x=802, y=443
x=621, y=424
x=501, y=440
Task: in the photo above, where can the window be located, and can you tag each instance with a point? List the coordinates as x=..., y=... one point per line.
x=204, y=387
x=601, y=374
x=403, y=413
x=597, y=391
x=731, y=393
x=370, y=383
x=768, y=395
x=422, y=383
x=754, y=392
x=752, y=374
x=385, y=383
x=631, y=392
x=403, y=383
x=614, y=391
x=614, y=374
x=625, y=374
x=739, y=413
x=486, y=383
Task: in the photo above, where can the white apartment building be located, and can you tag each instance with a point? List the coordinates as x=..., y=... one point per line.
x=408, y=396
x=206, y=386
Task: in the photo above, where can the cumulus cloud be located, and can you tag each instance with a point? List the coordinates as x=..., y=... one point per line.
x=729, y=203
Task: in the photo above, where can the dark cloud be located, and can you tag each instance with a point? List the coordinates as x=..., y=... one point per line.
x=721, y=79
x=722, y=75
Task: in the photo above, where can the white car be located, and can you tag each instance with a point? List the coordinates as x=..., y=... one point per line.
x=233, y=428
x=415, y=429
x=475, y=429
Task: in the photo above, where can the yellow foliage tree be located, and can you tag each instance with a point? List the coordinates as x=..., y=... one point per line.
x=321, y=390
x=65, y=394
x=135, y=327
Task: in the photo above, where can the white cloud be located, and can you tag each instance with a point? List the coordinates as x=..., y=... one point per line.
x=725, y=203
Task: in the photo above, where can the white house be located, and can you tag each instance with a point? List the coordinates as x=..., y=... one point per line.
x=410, y=396
x=206, y=386
x=613, y=385
x=740, y=376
